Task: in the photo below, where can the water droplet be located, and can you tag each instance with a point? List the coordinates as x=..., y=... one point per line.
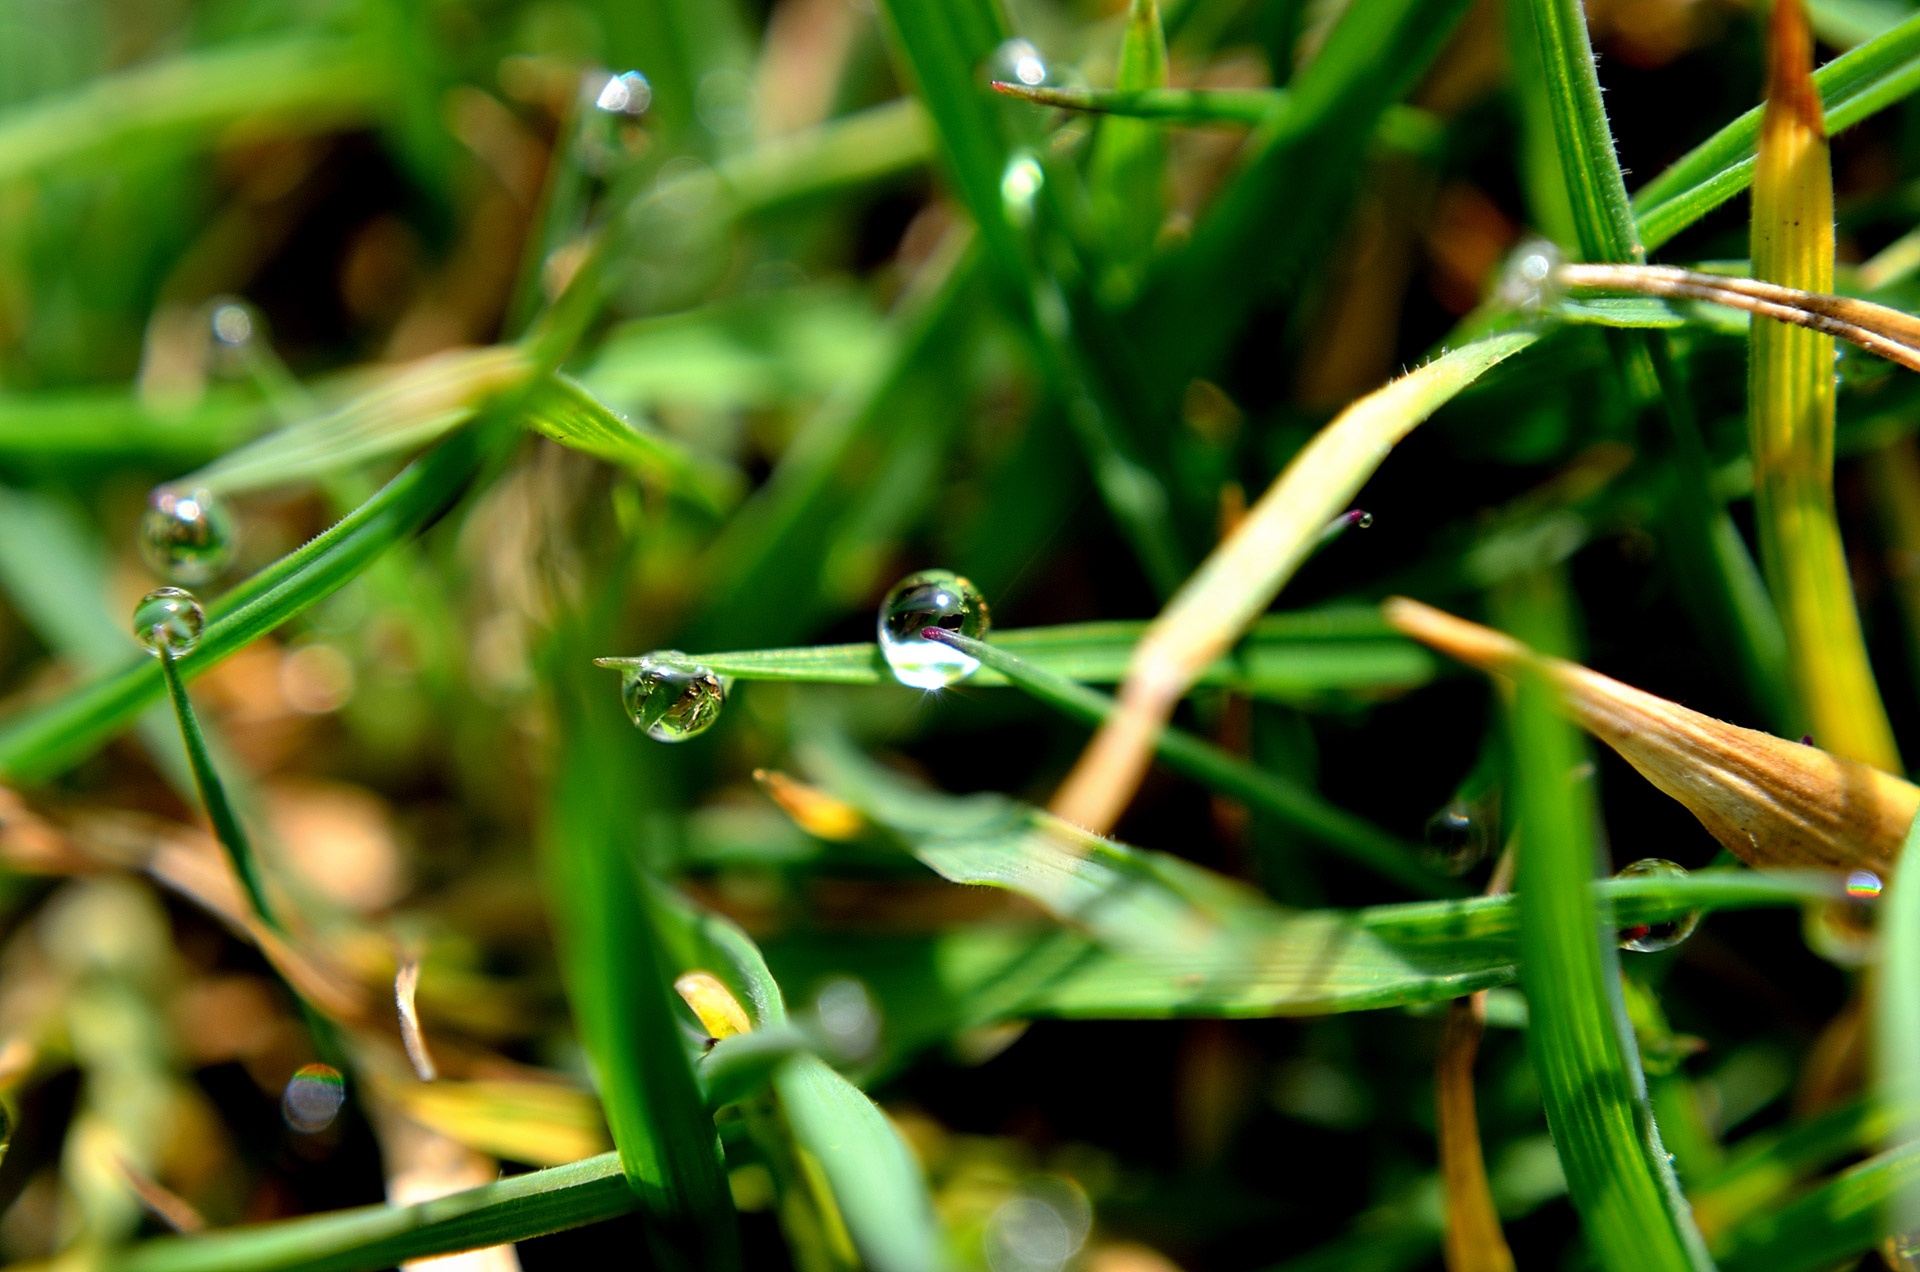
x=186, y=536
x=848, y=1017
x=1902, y=1252
x=1528, y=280
x=670, y=699
x=1020, y=186
x=931, y=598
x=1460, y=836
x=1362, y=519
x=172, y=614
x=232, y=323
x=1863, y=884
x=627, y=93
x=313, y=1098
x=1017, y=61
x=1650, y=938
x=1039, y=1228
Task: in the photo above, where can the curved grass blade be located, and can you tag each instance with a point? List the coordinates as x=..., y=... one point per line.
x=46, y=741
x=299, y=84
x=1618, y=1176
x=1297, y=806
x=1829, y=1226
x=1240, y=578
x=1474, y=1240
x=1852, y=87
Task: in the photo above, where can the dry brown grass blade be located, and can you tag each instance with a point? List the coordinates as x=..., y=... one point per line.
x=1771, y=802
x=1240, y=578
x=406, y=990
x=1474, y=1242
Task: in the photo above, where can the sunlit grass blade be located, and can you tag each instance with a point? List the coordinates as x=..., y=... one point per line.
x=1618, y=1177
x=45, y=741
x=1240, y=578
x=63, y=426
x=1791, y=405
x=1602, y=219
x=1770, y=801
x=617, y=980
x=1828, y=1226
x=568, y=413
x=1293, y=805
x=297, y=84
x=1851, y=87
x=420, y=404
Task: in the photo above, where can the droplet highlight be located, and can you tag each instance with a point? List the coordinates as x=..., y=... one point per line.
x=186, y=536
x=1017, y=61
x=313, y=1098
x=1864, y=885
x=627, y=93
x=930, y=598
x=1651, y=938
x=1529, y=281
x=671, y=700
x=1020, y=184
x=1460, y=836
x=171, y=617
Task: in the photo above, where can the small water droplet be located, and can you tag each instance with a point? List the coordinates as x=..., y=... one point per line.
x=671, y=700
x=313, y=1098
x=1362, y=519
x=627, y=93
x=1039, y=1228
x=1020, y=185
x=186, y=536
x=1017, y=61
x=169, y=614
x=848, y=1017
x=1863, y=884
x=232, y=323
x=1650, y=938
x=1528, y=281
x=930, y=598
x=1460, y=836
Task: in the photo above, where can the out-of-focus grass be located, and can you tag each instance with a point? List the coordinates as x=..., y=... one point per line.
x=505, y=365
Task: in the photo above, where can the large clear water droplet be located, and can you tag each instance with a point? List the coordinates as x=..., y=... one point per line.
x=313, y=1098
x=186, y=535
x=170, y=614
x=627, y=93
x=1461, y=836
x=1650, y=938
x=1017, y=61
x=931, y=598
x=671, y=700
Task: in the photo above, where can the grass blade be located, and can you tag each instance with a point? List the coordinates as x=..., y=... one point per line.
x=1602, y=218
x=1851, y=87
x=46, y=741
x=1897, y=1028
x=1791, y=404
x=1618, y=1176
x=567, y=412
x=1241, y=577
x=1829, y=1226
x=1295, y=806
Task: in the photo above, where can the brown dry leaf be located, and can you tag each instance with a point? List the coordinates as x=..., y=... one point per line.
x=1771, y=802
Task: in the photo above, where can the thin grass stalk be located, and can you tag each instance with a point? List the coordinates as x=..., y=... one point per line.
x=1474, y=1240
x=1791, y=414
x=1351, y=836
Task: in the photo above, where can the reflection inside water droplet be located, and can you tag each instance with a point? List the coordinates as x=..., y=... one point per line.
x=313, y=1098
x=186, y=535
x=931, y=598
x=1663, y=934
x=172, y=616
x=1460, y=836
x=671, y=700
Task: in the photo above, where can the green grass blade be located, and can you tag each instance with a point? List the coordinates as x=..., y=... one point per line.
x=1852, y=87
x=567, y=412
x=1602, y=218
x=293, y=84
x=618, y=979
x=1829, y=1226
x=58, y=426
x=213, y=794
x=1618, y=1176
x=1404, y=128
x=1296, y=806
x=1766, y=1167
x=875, y=1178
x=45, y=741
x=373, y=1237
x=1897, y=1026
x=1301, y=657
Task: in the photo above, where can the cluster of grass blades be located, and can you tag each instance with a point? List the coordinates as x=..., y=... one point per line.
x=743, y=635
